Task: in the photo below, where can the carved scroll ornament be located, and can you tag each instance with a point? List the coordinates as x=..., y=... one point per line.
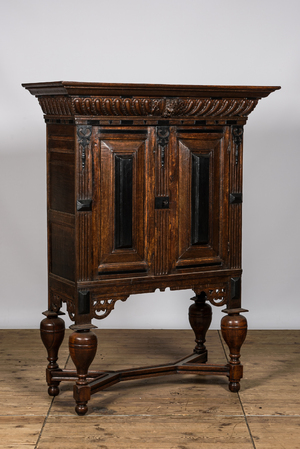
x=217, y=296
x=56, y=300
x=101, y=307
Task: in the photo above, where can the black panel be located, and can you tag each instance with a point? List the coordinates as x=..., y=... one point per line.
x=163, y=122
x=83, y=302
x=199, y=131
x=236, y=288
x=126, y=122
x=122, y=131
x=123, y=201
x=200, y=199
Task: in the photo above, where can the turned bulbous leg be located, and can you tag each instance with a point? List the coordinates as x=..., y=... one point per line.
x=52, y=334
x=83, y=347
x=200, y=315
x=234, y=331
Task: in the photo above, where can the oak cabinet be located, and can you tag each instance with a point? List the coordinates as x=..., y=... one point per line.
x=144, y=192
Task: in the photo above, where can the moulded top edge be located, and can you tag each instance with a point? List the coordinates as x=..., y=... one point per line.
x=147, y=90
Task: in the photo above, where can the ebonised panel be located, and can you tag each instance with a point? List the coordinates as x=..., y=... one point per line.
x=123, y=201
x=200, y=199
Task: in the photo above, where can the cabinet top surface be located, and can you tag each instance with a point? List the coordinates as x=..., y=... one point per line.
x=71, y=88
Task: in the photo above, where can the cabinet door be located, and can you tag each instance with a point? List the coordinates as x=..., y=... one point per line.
x=202, y=199
x=120, y=202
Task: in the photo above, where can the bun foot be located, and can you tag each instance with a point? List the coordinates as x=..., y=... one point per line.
x=53, y=390
x=234, y=387
x=81, y=409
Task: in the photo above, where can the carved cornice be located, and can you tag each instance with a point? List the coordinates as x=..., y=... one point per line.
x=147, y=107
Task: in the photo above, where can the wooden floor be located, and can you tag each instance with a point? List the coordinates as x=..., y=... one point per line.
x=172, y=412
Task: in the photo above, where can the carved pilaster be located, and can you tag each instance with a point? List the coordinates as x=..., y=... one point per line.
x=237, y=133
x=84, y=134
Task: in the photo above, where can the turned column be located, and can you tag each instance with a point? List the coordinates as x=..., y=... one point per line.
x=200, y=315
x=83, y=347
x=234, y=331
x=52, y=334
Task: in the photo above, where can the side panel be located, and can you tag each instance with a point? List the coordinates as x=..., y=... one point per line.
x=61, y=201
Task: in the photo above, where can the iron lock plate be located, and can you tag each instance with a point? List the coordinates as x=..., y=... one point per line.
x=162, y=202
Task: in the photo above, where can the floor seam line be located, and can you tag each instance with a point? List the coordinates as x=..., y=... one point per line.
x=244, y=414
x=246, y=421
x=49, y=410
x=44, y=423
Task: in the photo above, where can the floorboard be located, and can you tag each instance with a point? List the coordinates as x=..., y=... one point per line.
x=172, y=412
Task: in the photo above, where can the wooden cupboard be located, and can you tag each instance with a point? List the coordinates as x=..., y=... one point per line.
x=144, y=192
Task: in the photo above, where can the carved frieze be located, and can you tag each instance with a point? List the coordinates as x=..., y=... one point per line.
x=56, y=105
x=147, y=107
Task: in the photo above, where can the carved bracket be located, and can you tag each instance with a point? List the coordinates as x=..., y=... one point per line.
x=56, y=300
x=84, y=135
x=217, y=296
x=101, y=307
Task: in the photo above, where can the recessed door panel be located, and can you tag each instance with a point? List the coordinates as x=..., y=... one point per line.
x=203, y=202
x=120, y=195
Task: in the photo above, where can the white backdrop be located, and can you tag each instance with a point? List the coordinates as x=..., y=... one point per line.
x=253, y=42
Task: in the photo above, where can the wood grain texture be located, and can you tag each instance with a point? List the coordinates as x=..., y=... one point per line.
x=148, y=432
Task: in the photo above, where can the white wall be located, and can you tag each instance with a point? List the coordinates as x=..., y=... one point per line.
x=253, y=42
